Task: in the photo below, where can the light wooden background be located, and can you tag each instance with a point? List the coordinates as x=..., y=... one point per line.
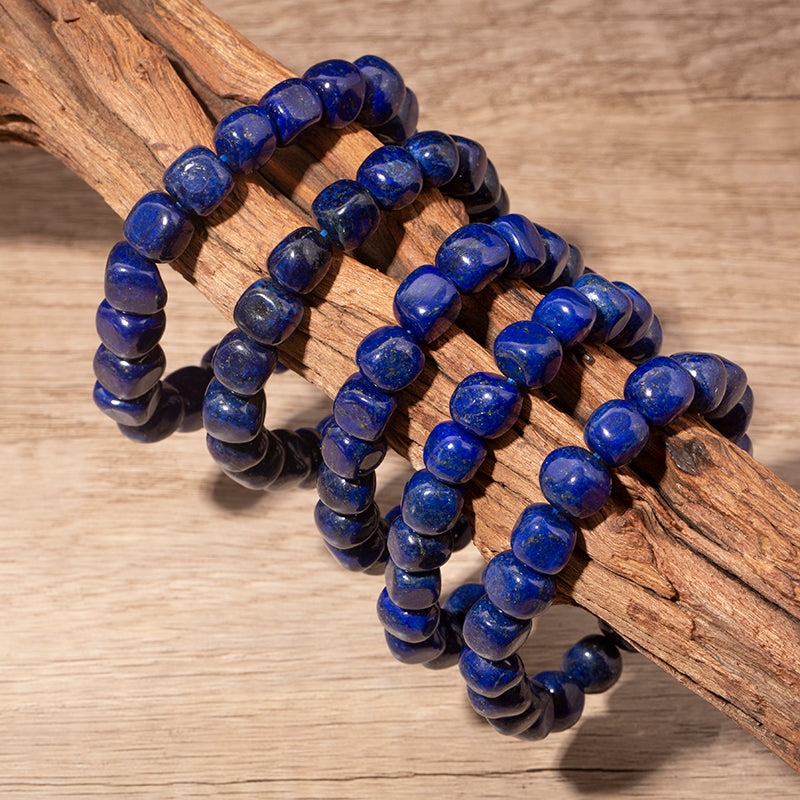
x=165, y=634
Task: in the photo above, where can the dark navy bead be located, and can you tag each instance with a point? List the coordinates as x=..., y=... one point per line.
x=392, y=514
x=490, y=678
x=166, y=419
x=614, y=637
x=520, y=723
x=660, y=389
x=362, y=410
x=515, y=588
x=616, y=432
x=157, y=228
x=419, y=652
x=557, y=253
x=491, y=633
x=301, y=260
x=512, y=702
x=413, y=591
x=593, y=663
x=198, y=180
x=237, y=457
x=133, y=283
x=485, y=405
x=543, y=538
x=342, y=531
x=575, y=481
x=462, y=534
x=735, y=384
x=128, y=379
x=648, y=345
x=135, y=411
x=363, y=556
x=245, y=139
x=451, y=454
x=347, y=212
x=263, y=473
x=391, y=176
x=267, y=312
x=311, y=438
x=471, y=171
x=735, y=423
x=403, y=124
x=345, y=496
x=379, y=565
x=745, y=443
x=297, y=462
x=389, y=359
x=128, y=335
x=543, y=725
x=613, y=306
x=487, y=195
x=473, y=256
x=243, y=365
x=208, y=357
x=639, y=321
x=436, y=155
x=348, y=456
x=526, y=248
x=191, y=383
x=384, y=90
x=231, y=417
x=709, y=377
x=293, y=107
x=409, y=626
x=567, y=313
x=415, y=552
x=426, y=303
x=461, y=601
x=499, y=209
x=454, y=644
x=340, y=85
x=573, y=269
x=429, y=506
x=528, y=354
x=567, y=696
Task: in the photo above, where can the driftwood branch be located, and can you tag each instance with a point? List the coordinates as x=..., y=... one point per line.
x=695, y=560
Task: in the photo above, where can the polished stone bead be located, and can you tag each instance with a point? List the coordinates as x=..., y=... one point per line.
x=362, y=410
x=263, y=473
x=451, y=454
x=407, y=625
x=191, y=382
x=267, y=312
x=391, y=176
x=392, y=514
x=294, y=107
x=648, y=345
x=128, y=379
x=301, y=260
x=231, y=417
x=526, y=249
x=426, y=303
x=208, y=357
x=344, y=531
x=454, y=644
x=128, y=335
x=613, y=307
x=414, y=552
x=520, y=723
x=557, y=253
x=237, y=457
x=471, y=170
x=343, y=495
x=735, y=423
x=157, y=228
x=348, y=456
x=575, y=481
x=297, y=464
x=245, y=139
x=436, y=155
x=413, y=591
x=485, y=405
x=311, y=441
x=363, y=556
x=528, y=354
x=165, y=420
x=735, y=384
x=543, y=538
x=491, y=633
x=567, y=314
x=418, y=652
x=639, y=321
x=133, y=283
x=462, y=534
x=473, y=256
x=567, y=697
x=340, y=85
x=515, y=588
x=499, y=209
x=660, y=389
x=403, y=124
x=198, y=180
x=389, y=359
x=593, y=663
x=512, y=702
x=379, y=565
x=616, y=432
x=461, y=601
x=429, y=506
x=709, y=377
x=745, y=443
x=487, y=195
x=614, y=637
x=243, y=365
x=543, y=725
x=384, y=90
x=134, y=411
x=573, y=269
x=347, y=212
x=490, y=678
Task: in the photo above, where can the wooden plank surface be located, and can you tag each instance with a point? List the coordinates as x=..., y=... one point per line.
x=151, y=648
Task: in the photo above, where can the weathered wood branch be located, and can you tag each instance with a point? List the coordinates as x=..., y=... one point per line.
x=695, y=560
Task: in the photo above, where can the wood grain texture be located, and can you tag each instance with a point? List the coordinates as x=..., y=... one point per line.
x=672, y=165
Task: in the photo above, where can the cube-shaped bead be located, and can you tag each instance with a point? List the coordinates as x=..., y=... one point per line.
x=526, y=248
x=490, y=678
x=345, y=496
x=575, y=481
x=452, y=454
x=473, y=256
x=417, y=652
x=245, y=139
x=229, y=416
x=660, y=390
x=461, y=601
x=412, y=591
x=133, y=283
x=267, y=312
x=471, y=170
x=198, y=180
x=301, y=260
x=340, y=86
x=383, y=92
x=613, y=306
x=349, y=456
x=735, y=384
x=540, y=727
x=134, y=411
x=567, y=696
x=648, y=345
x=294, y=107
x=487, y=195
x=485, y=405
x=515, y=588
x=543, y=538
x=344, y=531
x=510, y=703
x=128, y=378
x=407, y=625
x=157, y=228
x=573, y=269
x=639, y=321
x=392, y=177
x=128, y=335
x=427, y=303
x=528, y=354
x=166, y=419
x=261, y=475
x=243, y=365
x=430, y=506
x=493, y=634
x=594, y=663
x=238, y=456
x=415, y=552
x=557, y=253
x=436, y=155
x=709, y=377
x=735, y=423
x=616, y=432
x=347, y=213
x=362, y=556
x=403, y=124
x=362, y=410
x=567, y=313
x=389, y=359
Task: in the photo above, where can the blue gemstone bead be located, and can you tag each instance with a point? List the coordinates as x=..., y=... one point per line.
x=208, y=357
x=575, y=481
x=419, y=652
x=128, y=379
x=735, y=423
x=648, y=345
x=297, y=463
x=567, y=314
x=461, y=601
x=616, y=432
x=499, y=209
x=391, y=176
x=392, y=514
x=429, y=506
x=735, y=384
x=264, y=472
x=451, y=454
x=363, y=556
x=745, y=443
x=567, y=696
x=491, y=633
x=166, y=419
x=128, y=335
x=408, y=626
x=660, y=389
x=528, y=354
x=413, y=591
x=378, y=566
x=348, y=456
x=243, y=365
x=485, y=405
x=362, y=410
x=543, y=725
x=191, y=383
x=231, y=417
x=414, y=552
x=347, y=212
x=454, y=644
x=345, y=531
x=614, y=637
x=384, y=90
x=613, y=306
x=515, y=588
x=543, y=538
x=573, y=269
x=526, y=248
x=487, y=195
x=133, y=283
x=267, y=312
x=557, y=253
x=490, y=678
x=522, y=723
x=471, y=171
x=639, y=321
x=403, y=124
x=343, y=495
x=237, y=457
x=340, y=85
x=301, y=260
x=426, y=303
x=510, y=703
x=245, y=139
x=198, y=180
x=473, y=256
x=389, y=359
x=311, y=441
x=135, y=411
x=462, y=534
x=708, y=376
x=294, y=107
x=436, y=155
x=157, y=228
x=593, y=663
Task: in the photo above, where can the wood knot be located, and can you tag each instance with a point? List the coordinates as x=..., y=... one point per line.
x=689, y=455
